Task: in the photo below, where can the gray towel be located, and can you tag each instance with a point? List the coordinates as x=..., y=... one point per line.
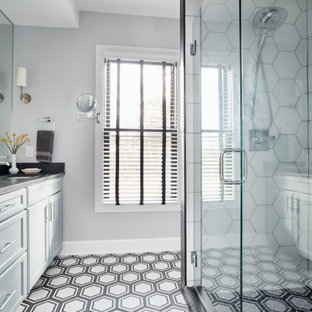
x=44, y=145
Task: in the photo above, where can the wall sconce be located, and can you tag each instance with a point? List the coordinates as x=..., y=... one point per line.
x=21, y=81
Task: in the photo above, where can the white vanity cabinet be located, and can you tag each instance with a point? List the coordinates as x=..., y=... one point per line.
x=45, y=227
x=13, y=247
x=31, y=234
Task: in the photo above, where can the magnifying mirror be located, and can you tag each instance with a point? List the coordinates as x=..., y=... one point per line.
x=86, y=103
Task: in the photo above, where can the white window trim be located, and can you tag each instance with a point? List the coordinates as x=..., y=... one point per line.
x=107, y=51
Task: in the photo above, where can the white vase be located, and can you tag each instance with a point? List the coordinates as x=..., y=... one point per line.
x=13, y=169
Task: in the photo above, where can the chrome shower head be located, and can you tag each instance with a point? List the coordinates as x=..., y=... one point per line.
x=270, y=18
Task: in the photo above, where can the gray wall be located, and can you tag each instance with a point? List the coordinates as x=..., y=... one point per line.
x=61, y=65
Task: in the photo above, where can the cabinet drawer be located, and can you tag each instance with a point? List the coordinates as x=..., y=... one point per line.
x=43, y=190
x=13, y=285
x=12, y=239
x=11, y=203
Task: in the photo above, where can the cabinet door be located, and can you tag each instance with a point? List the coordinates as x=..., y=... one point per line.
x=37, y=241
x=56, y=224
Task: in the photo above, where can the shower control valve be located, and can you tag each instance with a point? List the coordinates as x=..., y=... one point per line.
x=257, y=140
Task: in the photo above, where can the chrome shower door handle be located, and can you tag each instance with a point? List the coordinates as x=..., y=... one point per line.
x=221, y=166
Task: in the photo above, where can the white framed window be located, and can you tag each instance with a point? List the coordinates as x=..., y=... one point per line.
x=136, y=143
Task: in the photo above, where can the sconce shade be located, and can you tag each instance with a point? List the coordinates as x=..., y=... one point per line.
x=21, y=77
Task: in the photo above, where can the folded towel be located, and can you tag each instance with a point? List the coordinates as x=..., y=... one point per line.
x=44, y=145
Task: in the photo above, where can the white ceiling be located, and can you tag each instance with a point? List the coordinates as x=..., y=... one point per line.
x=65, y=13
x=159, y=8
x=49, y=13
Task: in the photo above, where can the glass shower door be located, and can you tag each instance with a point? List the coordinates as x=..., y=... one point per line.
x=276, y=211
x=221, y=155
x=256, y=225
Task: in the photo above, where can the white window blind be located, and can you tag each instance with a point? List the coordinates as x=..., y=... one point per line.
x=217, y=132
x=139, y=132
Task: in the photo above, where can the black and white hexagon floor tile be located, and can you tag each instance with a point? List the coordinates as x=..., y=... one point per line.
x=130, y=282
x=273, y=280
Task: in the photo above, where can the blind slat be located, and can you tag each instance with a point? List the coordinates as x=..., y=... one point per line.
x=131, y=148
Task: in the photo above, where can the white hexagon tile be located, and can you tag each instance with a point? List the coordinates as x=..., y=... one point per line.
x=301, y=80
x=216, y=221
x=264, y=190
x=287, y=120
x=264, y=163
x=287, y=176
x=301, y=25
x=286, y=65
x=300, y=52
x=264, y=219
x=125, y=283
x=286, y=232
x=216, y=17
x=302, y=134
x=216, y=47
x=271, y=78
x=287, y=148
x=269, y=51
x=304, y=162
x=287, y=92
x=282, y=34
x=302, y=107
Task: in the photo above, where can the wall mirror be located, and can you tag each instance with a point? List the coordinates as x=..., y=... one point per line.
x=6, y=69
x=86, y=105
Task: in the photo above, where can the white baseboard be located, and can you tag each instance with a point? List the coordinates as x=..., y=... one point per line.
x=120, y=246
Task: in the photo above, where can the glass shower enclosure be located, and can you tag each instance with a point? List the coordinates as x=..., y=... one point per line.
x=256, y=212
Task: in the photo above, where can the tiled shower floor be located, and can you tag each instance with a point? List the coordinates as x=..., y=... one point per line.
x=131, y=282
x=272, y=281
